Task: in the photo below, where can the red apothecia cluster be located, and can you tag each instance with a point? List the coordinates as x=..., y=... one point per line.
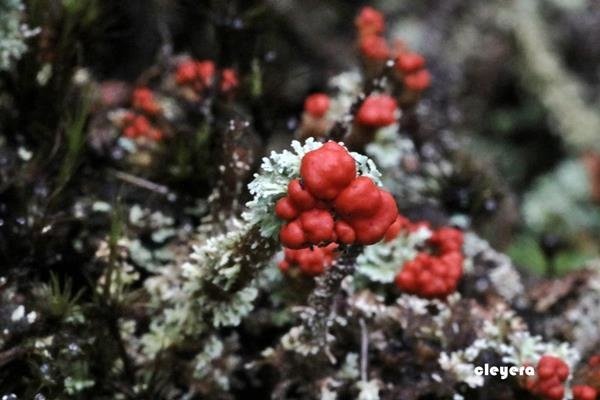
x=370, y=26
x=138, y=124
x=436, y=274
x=229, y=81
x=590, y=380
x=331, y=204
x=378, y=110
x=143, y=100
x=200, y=75
x=552, y=372
x=410, y=68
x=309, y=261
x=584, y=392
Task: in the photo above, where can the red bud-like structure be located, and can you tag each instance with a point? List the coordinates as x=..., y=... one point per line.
x=310, y=261
x=369, y=21
x=137, y=126
x=377, y=111
x=330, y=203
x=374, y=48
x=435, y=274
x=317, y=105
x=408, y=62
x=418, y=81
x=551, y=372
x=143, y=101
x=584, y=392
x=327, y=171
x=229, y=81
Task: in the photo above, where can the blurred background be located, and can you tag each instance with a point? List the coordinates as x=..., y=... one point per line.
x=514, y=94
x=518, y=82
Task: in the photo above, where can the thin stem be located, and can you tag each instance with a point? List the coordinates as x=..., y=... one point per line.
x=364, y=349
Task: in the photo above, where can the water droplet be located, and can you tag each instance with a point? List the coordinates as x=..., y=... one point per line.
x=237, y=23
x=292, y=123
x=74, y=348
x=270, y=56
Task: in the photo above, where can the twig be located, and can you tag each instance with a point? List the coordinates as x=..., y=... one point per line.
x=364, y=349
x=11, y=354
x=141, y=182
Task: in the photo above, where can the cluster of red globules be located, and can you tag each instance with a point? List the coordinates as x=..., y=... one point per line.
x=584, y=392
x=331, y=204
x=591, y=376
x=310, y=261
x=200, y=75
x=436, y=274
x=377, y=111
x=143, y=100
x=138, y=124
x=411, y=68
x=370, y=26
x=552, y=372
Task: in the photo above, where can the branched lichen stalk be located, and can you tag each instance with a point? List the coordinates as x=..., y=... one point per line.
x=318, y=321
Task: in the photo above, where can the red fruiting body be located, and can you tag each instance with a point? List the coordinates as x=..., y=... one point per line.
x=435, y=275
x=377, y=111
x=310, y=261
x=594, y=361
x=399, y=224
x=301, y=198
x=371, y=229
x=359, y=199
x=552, y=372
x=317, y=105
x=374, y=47
x=229, y=80
x=285, y=209
x=135, y=126
x=417, y=81
x=344, y=232
x=331, y=204
x=317, y=226
x=197, y=74
x=206, y=72
x=428, y=276
x=186, y=73
x=327, y=170
x=292, y=235
x=143, y=100
x=447, y=240
x=409, y=62
x=584, y=392
x=369, y=21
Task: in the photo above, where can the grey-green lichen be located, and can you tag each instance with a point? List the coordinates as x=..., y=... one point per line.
x=382, y=261
x=561, y=201
x=13, y=33
x=276, y=172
